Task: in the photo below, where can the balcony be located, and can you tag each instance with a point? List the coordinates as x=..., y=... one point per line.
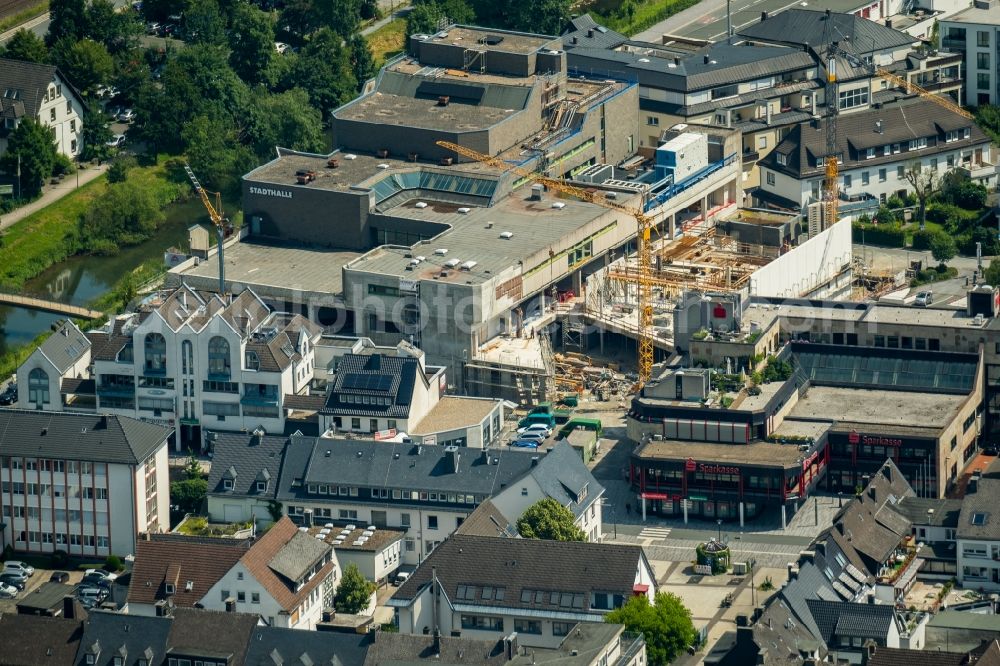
x=632, y=643
x=978, y=170
x=116, y=391
x=750, y=156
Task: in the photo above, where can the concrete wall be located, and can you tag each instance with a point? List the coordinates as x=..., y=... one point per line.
x=375, y=566
x=124, y=502
x=798, y=272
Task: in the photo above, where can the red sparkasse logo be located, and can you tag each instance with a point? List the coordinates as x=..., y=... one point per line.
x=690, y=465
x=854, y=437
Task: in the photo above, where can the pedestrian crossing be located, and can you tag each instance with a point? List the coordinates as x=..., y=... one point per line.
x=654, y=533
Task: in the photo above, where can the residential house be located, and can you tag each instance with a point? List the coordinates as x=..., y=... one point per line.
x=934, y=524
x=110, y=639
x=974, y=34
x=771, y=636
x=203, y=361
x=214, y=638
x=243, y=481
x=271, y=646
x=978, y=536
x=377, y=552
x=424, y=491
x=987, y=655
x=176, y=571
x=35, y=640
x=286, y=576
x=86, y=484
x=474, y=587
x=63, y=357
x=876, y=148
x=39, y=91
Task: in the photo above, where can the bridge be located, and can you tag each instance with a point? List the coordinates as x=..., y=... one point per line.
x=33, y=303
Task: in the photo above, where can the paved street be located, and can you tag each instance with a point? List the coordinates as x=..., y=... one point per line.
x=707, y=19
x=892, y=260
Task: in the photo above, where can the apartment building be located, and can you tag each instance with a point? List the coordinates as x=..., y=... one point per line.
x=477, y=587
x=974, y=33
x=62, y=360
x=978, y=536
x=81, y=483
x=203, y=361
x=39, y=91
x=876, y=148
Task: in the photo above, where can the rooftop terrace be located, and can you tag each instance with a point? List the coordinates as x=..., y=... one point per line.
x=493, y=40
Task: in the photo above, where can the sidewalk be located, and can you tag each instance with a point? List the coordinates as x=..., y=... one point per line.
x=52, y=193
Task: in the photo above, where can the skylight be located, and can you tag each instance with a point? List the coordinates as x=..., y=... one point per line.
x=979, y=518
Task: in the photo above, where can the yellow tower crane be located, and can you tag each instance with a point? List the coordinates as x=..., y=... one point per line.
x=215, y=214
x=644, y=223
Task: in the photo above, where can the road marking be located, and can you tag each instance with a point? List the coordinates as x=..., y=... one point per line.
x=27, y=25
x=654, y=533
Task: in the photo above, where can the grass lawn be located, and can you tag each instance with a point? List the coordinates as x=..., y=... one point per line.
x=388, y=40
x=23, y=16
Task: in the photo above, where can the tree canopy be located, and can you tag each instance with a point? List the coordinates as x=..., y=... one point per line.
x=548, y=519
x=665, y=624
x=354, y=592
x=943, y=247
x=31, y=151
x=85, y=63
x=25, y=45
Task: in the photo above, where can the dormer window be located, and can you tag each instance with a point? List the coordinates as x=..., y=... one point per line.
x=262, y=486
x=91, y=659
x=782, y=160
x=252, y=360
x=119, y=661
x=227, y=484
x=169, y=588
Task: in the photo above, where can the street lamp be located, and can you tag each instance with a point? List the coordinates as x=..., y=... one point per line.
x=718, y=522
x=614, y=520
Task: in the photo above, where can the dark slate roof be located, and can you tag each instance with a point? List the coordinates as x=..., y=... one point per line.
x=527, y=564
x=70, y=436
x=590, y=33
x=900, y=122
x=141, y=637
x=249, y=455
x=810, y=583
x=842, y=618
x=562, y=476
x=391, y=649
x=105, y=345
x=808, y=27
x=35, y=640
x=375, y=376
x=384, y=465
x=945, y=511
x=275, y=646
x=982, y=502
x=885, y=656
x=30, y=80
x=48, y=595
x=196, y=631
x=66, y=346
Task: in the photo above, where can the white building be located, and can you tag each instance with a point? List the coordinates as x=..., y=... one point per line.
x=203, y=361
x=975, y=33
x=81, y=483
x=32, y=90
x=488, y=587
x=877, y=147
x=978, y=537
x=64, y=356
x=376, y=552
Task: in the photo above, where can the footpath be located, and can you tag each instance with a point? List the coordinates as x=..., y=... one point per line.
x=53, y=193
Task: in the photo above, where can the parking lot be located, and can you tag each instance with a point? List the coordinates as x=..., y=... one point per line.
x=42, y=576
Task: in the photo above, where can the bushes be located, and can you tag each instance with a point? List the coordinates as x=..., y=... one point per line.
x=113, y=563
x=922, y=239
x=889, y=235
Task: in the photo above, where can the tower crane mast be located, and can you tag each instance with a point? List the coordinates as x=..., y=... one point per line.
x=214, y=214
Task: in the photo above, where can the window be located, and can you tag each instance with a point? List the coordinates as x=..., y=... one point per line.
x=52, y=114
x=761, y=142
x=900, y=172
x=72, y=125
x=847, y=181
x=255, y=597
x=218, y=357
x=653, y=120
x=241, y=597
x=864, y=178
x=870, y=153
x=982, y=81
x=409, y=545
x=252, y=361
x=561, y=628
x=38, y=388
x=404, y=519
x=982, y=38
x=482, y=623
x=881, y=175
x=355, y=424
x=528, y=627
x=239, y=575
x=853, y=98
x=917, y=144
x=782, y=159
x=156, y=353
x=262, y=486
x=770, y=178
x=227, y=484
x=373, y=425
x=432, y=522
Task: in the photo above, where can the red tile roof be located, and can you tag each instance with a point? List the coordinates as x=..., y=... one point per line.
x=178, y=559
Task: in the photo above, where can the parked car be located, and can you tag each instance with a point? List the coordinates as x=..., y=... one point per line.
x=7, y=591
x=525, y=443
x=101, y=573
x=402, y=577
x=27, y=569
x=153, y=28
x=20, y=581
x=991, y=450
x=9, y=395
x=91, y=595
x=536, y=435
x=281, y=47
x=535, y=427
x=126, y=116
x=924, y=298
x=117, y=141
x=59, y=577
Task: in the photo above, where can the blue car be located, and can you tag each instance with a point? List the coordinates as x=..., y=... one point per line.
x=526, y=443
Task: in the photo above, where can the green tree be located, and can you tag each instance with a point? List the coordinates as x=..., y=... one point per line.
x=251, y=39
x=67, y=20
x=188, y=494
x=341, y=16
x=957, y=188
x=288, y=121
x=992, y=273
x=30, y=149
x=354, y=592
x=423, y=19
x=204, y=23
x=85, y=63
x=923, y=181
x=988, y=118
x=368, y=9
x=323, y=69
x=362, y=62
x=26, y=45
x=192, y=470
x=96, y=135
x=665, y=624
x=548, y=519
x=943, y=247
x=122, y=164
x=118, y=31
x=299, y=17
x=125, y=214
x=216, y=153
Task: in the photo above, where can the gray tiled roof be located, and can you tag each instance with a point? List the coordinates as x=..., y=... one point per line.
x=196, y=631
x=589, y=32
x=842, y=618
x=298, y=556
x=562, y=477
x=66, y=346
x=945, y=511
x=69, y=436
x=900, y=122
x=885, y=656
x=384, y=465
x=248, y=454
x=808, y=27
x=30, y=79
x=140, y=637
x=391, y=649
x=488, y=521
x=984, y=502
x=527, y=564
x=400, y=374
x=299, y=648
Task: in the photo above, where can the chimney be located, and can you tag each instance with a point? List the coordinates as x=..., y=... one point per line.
x=871, y=598
x=452, y=455
x=742, y=621
x=590, y=32
x=230, y=605
x=443, y=100
x=792, y=571
x=707, y=59
x=767, y=113
x=510, y=646
x=575, y=40
x=872, y=647
x=888, y=23
x=763, y=16
x=534, y=461
x=69, y=607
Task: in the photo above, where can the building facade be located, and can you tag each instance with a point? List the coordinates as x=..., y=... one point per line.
x=33, y=90
x=974, y=33
x=64, y=357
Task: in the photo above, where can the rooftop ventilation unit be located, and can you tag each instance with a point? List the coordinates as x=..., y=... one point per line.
x=469, y=265
x=536, y=191
x=420, y=204
x=383, y=166
x=414, y=262
x=558, y=205
x=441, y=251
x=451, y=263
x=420, y=257
x=350, y=156
x=464, y=210
x=506, y=235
